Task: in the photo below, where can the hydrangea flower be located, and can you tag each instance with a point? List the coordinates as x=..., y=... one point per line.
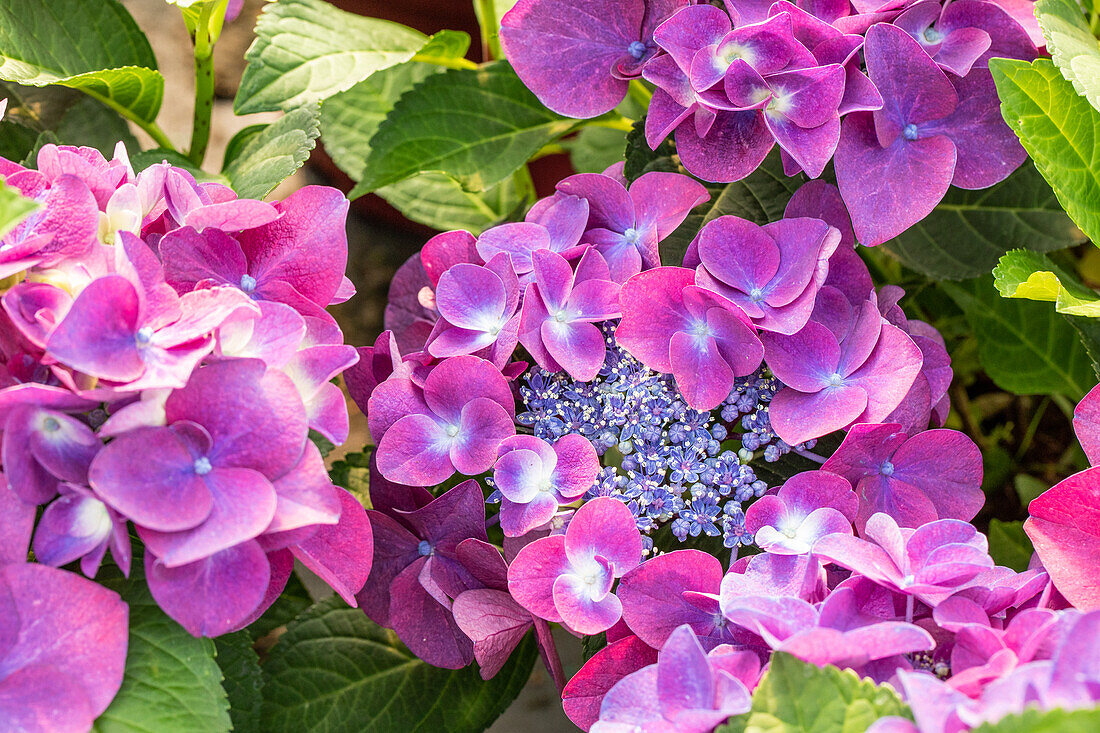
x=535, y=477
x=772, y=272
x=686, y=690
x=835, y=633
x=567, y=578
x=936, y=474
x=417, y=573
x=676, y=327
x=894, y=165
x=1064, y=526
x=807, y=507
x=456, y=422
x=626, y=225
x=477, y=307
x=585, y=691
x=577, y=55
x=78, y=526
x=850, y=366
x=929, y=562
x=560, y=309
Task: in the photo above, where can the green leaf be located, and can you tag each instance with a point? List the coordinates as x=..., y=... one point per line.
x=272, y=155
x=172, y=681
x=1059, y=130
x=594, y=149
x=1030, y=275
x=1072, y=46
x=1009, y=545
x=1088, y=331
x=1024, y=346
x=16, y=140
x=476, y=126
x=334, y=670
x=1045, y=721
x=350, y=119
x=242, y=680
x=639, y=158
x=236, y=143
x=797, y=697
x=107, y=56
x=969, y=230
x=75, y=118
x=308, y=50
x=1028, y=487
x=440, y=202
x=14, y=207
x=760, y=198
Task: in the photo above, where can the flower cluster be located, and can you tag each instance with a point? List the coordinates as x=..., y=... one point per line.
x=898, y=95
x=165, y=353
x=608, y=411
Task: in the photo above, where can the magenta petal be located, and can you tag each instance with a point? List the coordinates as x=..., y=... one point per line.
x=244, y=503
x=191, y=258
x=805, y=361
x=532, y=574
x=70, y=528
x=1086, y=424
x=19, y=519
x=653, y=310
x=702, y=375
x=577, y=465
x=734, y=147
x=797, y=416
x=1065, y=528
x=663, y=201
x=651, y=594
x=471, y=297
x=494, y=622
x=564, y=51
x=481, y=428
x=215, y=595
x=97, y=336
x=456, y=381
x=149, y=475
x=580, y=612
x=70, y=626
x=341, y=553
x=29, y=701
x=415, y=451
x=425, y=626
x=584, y=693
x=604, y=526
x=578, y=347
x=887, y=190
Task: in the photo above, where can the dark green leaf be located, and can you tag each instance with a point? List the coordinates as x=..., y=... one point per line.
x=95, y=47
x=172, y=681
x=272, y=155
x=1072, y=46
x=16, y=140
x=1088, y=331
x=592, y=644
x=1009, y=545
x=242, y=680
x=75, y=118
x=797, y=697
x=1024, y=346
x=1045, y=721
x=307, y=50
x=639, y=158
x=477, y=127
x=334, y=670
x=760, y=198
x=969, y=230
x=1059, y=130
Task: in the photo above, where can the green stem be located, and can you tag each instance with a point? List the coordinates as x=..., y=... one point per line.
x=204, y=88
x=524, y=182
x=487, y=20
x=620, y=122
x=446, y=62
x=548, y=149
x=640, y=93
x=150, y=127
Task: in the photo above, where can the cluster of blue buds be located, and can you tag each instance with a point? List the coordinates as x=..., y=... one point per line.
x=669, y=463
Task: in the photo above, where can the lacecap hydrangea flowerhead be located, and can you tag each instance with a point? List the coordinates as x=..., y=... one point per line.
x=164, y=355
x=897, y=95
x=573, y=430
